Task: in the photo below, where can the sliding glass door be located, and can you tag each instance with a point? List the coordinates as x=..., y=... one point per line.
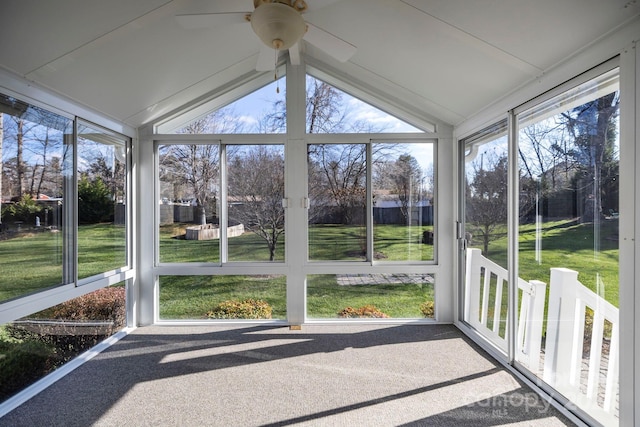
x=556, y=256
x=484, y=185
x=568, y=238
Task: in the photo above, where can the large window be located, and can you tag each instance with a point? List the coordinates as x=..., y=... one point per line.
x=63, y=198
x=194, y=226
x=364, y=200
x=568, y=238
x=101, y=200
x=36, y=167
x=337, y=175
x=254, y=202
x=403, y=200
x=401, y=184
x=485, y=192
x=189, y=192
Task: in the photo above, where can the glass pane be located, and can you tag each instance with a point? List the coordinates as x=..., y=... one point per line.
x=330, y=110
x=36, y=164
x=370, y=296
x=569, y=163
x=485, y=201
x=403, y=194
x=189, y=179
x=337, y=211
x=255, y=229
x=223, y=297
x=34, y=346
x=262, y=111
x=102, y=175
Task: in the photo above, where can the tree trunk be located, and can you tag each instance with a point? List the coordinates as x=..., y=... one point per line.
x=19, y=156
x=202, y=214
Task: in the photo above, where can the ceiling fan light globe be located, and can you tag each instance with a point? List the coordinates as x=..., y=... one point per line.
x=278, y=24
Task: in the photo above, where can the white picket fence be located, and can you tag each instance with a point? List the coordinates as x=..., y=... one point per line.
x=588, y=377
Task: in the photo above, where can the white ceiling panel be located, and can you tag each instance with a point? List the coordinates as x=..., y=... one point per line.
x=132, y=61
x=35, y=32
x=139, y=66
x=541, y=33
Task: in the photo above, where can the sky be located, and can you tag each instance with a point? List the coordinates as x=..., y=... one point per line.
x=261, y=101
x=256, y=104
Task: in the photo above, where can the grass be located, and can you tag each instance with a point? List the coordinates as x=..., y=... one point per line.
x=330, y=242
x=337, y=242
x=571, y=245
x=248, y=247
x=191, y=297
x=101, y=247
x=325, y=297
x=31, y=261
x=567, y=244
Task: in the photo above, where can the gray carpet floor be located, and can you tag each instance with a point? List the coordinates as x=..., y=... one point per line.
x=339, y=375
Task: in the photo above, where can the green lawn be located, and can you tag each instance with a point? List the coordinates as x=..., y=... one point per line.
x=330, y=242
x=248, y=247
x=571, y=245
x=325, y=297
x=191, y=297
x=31, y=261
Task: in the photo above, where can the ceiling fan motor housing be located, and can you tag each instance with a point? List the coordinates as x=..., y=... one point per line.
x=299, y=5
x=278, y=25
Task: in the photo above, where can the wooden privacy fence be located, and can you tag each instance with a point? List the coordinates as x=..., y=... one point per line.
x=580, y=357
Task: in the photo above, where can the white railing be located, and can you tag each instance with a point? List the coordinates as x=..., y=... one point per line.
x=590, y=382
x=487, y=281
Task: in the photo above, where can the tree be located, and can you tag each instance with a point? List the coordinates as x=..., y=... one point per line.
x=542, y=149
x=593, y=129
x=94, y=201
x=338, y=174
x=256, y=190
x=486, y=197
x=197, y=166
x=324, y=108
x=406, y=178
x=111, y=172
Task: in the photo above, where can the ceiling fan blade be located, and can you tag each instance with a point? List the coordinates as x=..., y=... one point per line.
x=319, y=4
x=332, y=45
x=266, y=58
x=210, y=20
x=294, y=54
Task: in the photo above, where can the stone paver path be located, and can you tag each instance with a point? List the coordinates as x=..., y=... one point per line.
x=383, y=279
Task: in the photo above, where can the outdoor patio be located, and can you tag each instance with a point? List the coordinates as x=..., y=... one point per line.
x=272, y=376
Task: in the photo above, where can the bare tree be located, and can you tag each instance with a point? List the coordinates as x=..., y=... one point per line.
x=256, y=190
x=594, y=131
x=406, y=177
x=339, y=173
x=197, y=166
x=486, y=198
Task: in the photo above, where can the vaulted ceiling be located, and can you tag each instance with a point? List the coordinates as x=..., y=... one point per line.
x=135, y=62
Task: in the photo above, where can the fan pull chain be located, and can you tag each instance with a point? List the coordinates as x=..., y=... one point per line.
x=275, y=72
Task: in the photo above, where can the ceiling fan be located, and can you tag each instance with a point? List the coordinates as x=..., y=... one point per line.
x=280, y=26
